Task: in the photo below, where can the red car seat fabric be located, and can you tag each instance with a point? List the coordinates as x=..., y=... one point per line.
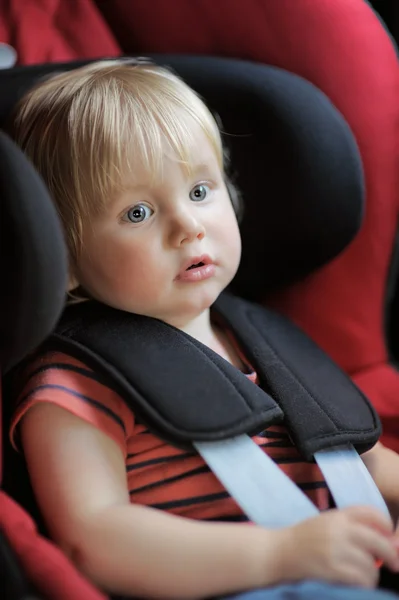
x=342, y=47
x=55, y=31
x=46, y=566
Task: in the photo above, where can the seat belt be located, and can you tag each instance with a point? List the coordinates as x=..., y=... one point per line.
x=264, y=492
x=348, y=478
x=269, y=498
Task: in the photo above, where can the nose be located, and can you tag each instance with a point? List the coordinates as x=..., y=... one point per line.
x=185, y=227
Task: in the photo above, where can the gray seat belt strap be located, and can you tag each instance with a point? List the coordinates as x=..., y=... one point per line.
x=348, y=478
x=264, y=492
x=270, y=498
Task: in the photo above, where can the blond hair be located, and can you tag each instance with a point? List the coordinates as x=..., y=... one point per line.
x=81, y=129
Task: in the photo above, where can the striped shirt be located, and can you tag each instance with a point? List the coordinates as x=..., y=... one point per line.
x=158, y=474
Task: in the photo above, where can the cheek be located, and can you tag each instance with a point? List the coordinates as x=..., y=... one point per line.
x=230, y=234
x=115, y=267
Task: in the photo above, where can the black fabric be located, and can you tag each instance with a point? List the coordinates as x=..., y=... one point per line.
x=33, y=257
x=388, y=10
x=14, y=582
x=293, y=157
x=392, y=305
x=185, y=392
x=303, y=380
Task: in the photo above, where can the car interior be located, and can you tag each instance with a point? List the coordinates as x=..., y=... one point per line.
x=315, y=155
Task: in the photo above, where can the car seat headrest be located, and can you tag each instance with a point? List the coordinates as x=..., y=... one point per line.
x=34, y=263
x=293, y=156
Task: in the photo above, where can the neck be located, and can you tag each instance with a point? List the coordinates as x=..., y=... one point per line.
x=200, y=328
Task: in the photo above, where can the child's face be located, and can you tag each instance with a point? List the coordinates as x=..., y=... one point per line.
x=136, y=254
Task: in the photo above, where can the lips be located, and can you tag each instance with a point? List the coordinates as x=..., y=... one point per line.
x=196, y=268
x=196, y=261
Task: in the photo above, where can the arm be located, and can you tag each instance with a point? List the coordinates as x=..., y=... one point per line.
x=78, y=474
x=383, y=465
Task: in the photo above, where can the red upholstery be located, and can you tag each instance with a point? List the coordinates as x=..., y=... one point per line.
x=47, y=567
x=341, y=47
x=55, y=31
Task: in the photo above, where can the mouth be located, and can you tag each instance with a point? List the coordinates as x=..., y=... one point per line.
x=195, y=265
x=197, y=268
x=197, y=261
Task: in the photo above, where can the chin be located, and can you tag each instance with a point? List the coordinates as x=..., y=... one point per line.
x=201, y=301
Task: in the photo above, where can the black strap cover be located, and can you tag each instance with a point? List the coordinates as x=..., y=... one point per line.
x=185, y=392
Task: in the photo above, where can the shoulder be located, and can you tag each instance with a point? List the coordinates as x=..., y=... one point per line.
x=60, y=379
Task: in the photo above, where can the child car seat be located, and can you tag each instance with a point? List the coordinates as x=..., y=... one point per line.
x=278, y=125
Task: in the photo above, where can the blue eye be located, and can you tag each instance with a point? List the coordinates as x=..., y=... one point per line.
x=139, y=213
x=199, y=193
